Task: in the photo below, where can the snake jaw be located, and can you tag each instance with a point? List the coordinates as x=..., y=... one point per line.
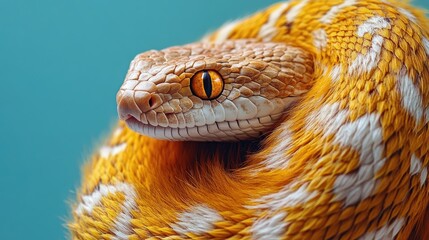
x=210, y=132
x=197, y=126
x=261, y=80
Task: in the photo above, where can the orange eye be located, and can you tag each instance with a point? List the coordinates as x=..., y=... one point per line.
x=207, y=84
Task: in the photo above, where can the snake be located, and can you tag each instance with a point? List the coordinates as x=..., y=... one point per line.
x=305, y=120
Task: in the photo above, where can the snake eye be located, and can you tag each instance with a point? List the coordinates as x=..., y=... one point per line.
x=207, y=84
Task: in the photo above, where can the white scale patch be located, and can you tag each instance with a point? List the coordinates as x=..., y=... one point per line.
x=411, y=97
x=199, y=219
x=107, y=151
x=225, y=31
x=295, y=10
x=117, y=132
x=364, y=135
x=329, y=16
x=320, y=38
x=122, y=225
x=277, y=158
x=372, y=25
x=329, y=118
x=403, y=11
x=408, y=14
x=270, y=227
x=388, y=231
x=416, y=167
x=335, y=73
x=365, y=63
x=274, y=203
x=426, y=45
x=286, y=197
x=268, y=30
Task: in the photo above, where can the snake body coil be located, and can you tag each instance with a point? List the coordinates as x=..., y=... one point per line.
x=328, y=104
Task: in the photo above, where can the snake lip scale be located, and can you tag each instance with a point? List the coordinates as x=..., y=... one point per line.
x=232, y=129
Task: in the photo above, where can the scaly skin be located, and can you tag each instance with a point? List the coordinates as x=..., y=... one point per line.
x=260, y=82
x=348, y=162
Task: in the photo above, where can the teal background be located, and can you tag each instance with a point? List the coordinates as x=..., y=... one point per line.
x=61, y=63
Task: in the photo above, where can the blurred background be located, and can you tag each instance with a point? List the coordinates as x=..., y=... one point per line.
x=61, y=63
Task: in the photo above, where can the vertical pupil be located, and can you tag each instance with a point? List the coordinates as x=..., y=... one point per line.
x=207, y=82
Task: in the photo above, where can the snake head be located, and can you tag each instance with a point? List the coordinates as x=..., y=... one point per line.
x=235, y=90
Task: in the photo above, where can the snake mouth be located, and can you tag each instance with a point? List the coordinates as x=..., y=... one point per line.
x=227, y=130
x=224, y=131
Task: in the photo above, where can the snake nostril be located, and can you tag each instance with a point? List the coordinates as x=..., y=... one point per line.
x=154, y=101
x=150, y=102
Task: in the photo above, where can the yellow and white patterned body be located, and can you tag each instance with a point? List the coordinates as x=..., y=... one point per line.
x=349, y=161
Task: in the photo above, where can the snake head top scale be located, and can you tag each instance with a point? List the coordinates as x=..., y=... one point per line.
x=235, y=90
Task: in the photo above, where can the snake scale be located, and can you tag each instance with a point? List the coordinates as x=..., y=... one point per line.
x=306, y=120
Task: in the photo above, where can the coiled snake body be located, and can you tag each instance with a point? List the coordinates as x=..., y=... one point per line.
x=327, y=106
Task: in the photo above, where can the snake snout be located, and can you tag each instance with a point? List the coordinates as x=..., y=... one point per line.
x=135, y=103
x=127, y=107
